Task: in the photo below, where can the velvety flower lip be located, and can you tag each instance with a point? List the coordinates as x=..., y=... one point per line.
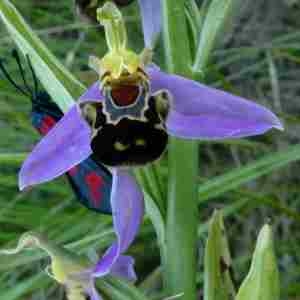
x=151, y=20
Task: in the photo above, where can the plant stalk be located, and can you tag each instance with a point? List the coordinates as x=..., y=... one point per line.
x=179, y=267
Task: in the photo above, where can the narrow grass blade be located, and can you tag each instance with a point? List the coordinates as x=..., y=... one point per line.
x=158, y=222
x=12, y=158
x=56, y=79
x=218, y=13
x=118, y=289
x=233, y=179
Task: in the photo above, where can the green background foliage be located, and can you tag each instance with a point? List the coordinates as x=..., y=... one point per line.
x=254, y=180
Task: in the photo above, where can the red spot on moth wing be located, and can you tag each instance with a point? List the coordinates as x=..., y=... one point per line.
x=47, y=124
x=95, y=183
x=124, y=95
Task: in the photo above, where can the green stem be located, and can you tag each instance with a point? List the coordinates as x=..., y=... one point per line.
x=181, y=225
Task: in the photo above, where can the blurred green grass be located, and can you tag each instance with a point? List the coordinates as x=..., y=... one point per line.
x=257, y=59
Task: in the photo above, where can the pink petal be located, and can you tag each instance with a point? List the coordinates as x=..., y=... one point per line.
x=123, y=267
x=92, y=94
x=128, y=209
x=65, y=146
x=201, y=112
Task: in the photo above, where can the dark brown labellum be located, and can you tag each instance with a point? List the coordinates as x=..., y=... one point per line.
x=128, y=140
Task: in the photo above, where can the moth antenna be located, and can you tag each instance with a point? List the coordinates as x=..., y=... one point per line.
x=11, y=81
x=16, y=56
x=35, y=80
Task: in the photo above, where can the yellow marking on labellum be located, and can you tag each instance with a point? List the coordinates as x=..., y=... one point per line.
x=140, y=142
x=121, y=147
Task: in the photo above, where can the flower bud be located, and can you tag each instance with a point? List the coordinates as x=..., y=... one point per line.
x=262, y=281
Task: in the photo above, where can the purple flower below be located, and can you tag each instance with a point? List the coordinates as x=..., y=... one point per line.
x=128, y=211
x=76, y=272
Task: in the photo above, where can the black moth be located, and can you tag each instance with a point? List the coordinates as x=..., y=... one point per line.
x=90, y=181
x=128, y=126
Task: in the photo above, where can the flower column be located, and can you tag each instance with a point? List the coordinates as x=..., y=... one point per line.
x=180, y=265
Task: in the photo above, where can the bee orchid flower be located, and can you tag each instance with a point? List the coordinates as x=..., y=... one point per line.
x=77, y=273
x=125, y=118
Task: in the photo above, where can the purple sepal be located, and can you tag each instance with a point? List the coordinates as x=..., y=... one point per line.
x=127, y=203
x=151, y=20
x=93, y=94
x=106, y=262
x=124, y=268
x=65, y=146
x=92, y=292
x=128, y=209
x=201, y=112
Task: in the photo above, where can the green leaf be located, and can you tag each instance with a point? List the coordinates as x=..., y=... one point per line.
x=218, y=13
x=118, y=289
x=158, y=223
x=217, y=262
x=150, y=178
x=56, y=79
x=12, y=158
x=262, y=281
x=23, y=287
x=233, y=179
x=193, y=22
